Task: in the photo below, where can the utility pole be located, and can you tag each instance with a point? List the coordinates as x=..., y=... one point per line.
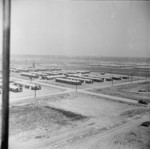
x=112, y=77
x=6, y=64
x=35, y=91
x=131, y=78
x=76, y=86
x=30, y=78
x=148, y=82
x=149, y=103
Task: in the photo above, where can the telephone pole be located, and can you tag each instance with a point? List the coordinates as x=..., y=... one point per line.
x=76, y=86
x=131, y=78
x=35, y=91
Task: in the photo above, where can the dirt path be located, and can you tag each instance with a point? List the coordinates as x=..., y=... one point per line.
x=110, y=97
x=97, y=141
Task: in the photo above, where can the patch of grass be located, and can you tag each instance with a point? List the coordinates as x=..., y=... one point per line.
x=37, y=116
x=71, y=115
x=130, y=91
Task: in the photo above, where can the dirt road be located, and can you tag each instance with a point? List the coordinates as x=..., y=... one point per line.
x=110, y=97
x=69, y=90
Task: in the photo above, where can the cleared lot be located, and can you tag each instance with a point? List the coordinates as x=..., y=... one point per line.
x=90, y=105
x=63, y=120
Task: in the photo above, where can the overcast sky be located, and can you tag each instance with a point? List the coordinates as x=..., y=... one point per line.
x=90, y=28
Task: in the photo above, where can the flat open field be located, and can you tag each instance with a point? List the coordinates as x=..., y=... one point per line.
x=128, y=70
x=63, y=121
x=127, y=91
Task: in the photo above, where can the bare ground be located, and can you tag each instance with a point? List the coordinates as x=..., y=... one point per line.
x=71, y=121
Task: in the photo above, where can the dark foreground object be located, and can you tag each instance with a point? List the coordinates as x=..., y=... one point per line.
x=146, y=124
x=142, y=102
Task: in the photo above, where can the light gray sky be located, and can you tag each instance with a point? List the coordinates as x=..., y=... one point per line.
x=90, y=28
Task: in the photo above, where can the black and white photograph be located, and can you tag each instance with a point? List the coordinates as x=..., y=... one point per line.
x=75, y=74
